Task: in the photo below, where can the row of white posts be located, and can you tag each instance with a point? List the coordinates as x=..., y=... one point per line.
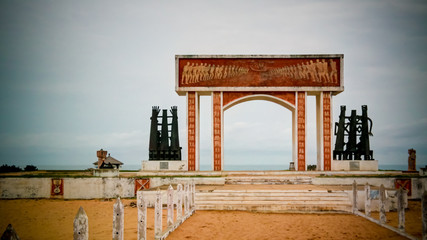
x=401, y=196
x=184, y=197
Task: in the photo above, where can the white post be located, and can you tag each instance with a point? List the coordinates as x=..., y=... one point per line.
x=401, y=208
x=118, y=220
x=383, y=218
x=354, y=196
x=179, y=202
x=193, y=196
x=158, y=214
x=367, y=200
x=170, y=206
x=81, y=225
x=424, y=214
x=186, y=199
x=142, y=216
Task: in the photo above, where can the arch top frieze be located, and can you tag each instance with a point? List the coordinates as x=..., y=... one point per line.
x=259, y=73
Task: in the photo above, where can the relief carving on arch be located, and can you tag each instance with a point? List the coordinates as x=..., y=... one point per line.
x=265, y=72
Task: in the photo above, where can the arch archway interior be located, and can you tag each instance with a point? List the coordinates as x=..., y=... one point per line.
x=257, y=135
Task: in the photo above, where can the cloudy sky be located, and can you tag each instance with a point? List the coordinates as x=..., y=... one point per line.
x=77, y=76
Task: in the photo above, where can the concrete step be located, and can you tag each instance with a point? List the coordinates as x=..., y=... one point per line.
x=278, y=208
x=273, y=200
x=269, y=180
x=269, y=198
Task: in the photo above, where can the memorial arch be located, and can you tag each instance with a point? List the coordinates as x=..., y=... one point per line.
x=284, y=79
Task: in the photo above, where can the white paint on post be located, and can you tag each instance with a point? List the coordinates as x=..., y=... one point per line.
x=383, y=218
x=158, y=214
x=354, y=196
x=142, y=216
x=118, y=220
x=170, y=206
x=193, y=196
x=424, y=214
x=186, y=199
x=401, y=208
x=367, y=200
x=179, y=202
x=81, y=225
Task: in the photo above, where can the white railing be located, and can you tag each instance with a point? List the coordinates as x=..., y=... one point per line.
x=184, y=197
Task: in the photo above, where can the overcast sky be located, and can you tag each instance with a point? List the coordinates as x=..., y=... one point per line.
x=77, y=76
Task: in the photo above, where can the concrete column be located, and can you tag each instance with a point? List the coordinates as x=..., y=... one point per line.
x=401, y=208
x=158, y=214
x=327, y=134
x=217, y=130
x=193, y=130
x=170, y=206
x=319, y=130
x=142, y=216
x=367, y=200
x=383, y=218
x=179, y=202
x=301, y=130
x=354, y=196
x=81, y=225
x=118, y=220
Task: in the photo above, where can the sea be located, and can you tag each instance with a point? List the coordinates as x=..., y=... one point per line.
x=258, y=167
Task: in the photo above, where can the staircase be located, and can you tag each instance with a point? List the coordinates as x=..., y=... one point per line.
x=270, y=180
x=273, y=200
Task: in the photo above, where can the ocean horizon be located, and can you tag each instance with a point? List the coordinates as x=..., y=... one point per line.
x=207, y=167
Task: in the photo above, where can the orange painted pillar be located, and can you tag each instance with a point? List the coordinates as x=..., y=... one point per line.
x=192, y=127
x=327, y=138
x=301, y=113
x=217, y=130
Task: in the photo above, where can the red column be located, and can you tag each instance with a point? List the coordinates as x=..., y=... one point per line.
x=327, y=156
x=301, y=130
x=217, y=130
x=191, y=127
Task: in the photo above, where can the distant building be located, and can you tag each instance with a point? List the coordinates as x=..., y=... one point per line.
x=106, y=162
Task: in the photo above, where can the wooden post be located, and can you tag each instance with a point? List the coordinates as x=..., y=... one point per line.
x=158, y=214
x=367, y=200
x=401, y=208
x=383, y=218
x=118, y=220
x=170, y=206
x=81, y=225
x=142, y=216
x=179, y=202
x=424, y=214
x=186, y=199
x=10, y=234
x=354, y=196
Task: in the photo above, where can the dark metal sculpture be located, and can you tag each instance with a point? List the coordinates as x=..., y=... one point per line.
x=352, y=127
x=164, y=143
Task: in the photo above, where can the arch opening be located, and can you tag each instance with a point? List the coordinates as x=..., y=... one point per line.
x=258, y=134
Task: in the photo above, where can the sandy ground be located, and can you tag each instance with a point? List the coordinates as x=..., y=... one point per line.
x=53, y=219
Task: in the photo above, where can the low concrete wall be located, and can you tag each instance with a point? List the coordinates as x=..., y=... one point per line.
x=88, y=188
x=25, y=188
x=387, y=182
x=156, y=182
x=105, y=172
